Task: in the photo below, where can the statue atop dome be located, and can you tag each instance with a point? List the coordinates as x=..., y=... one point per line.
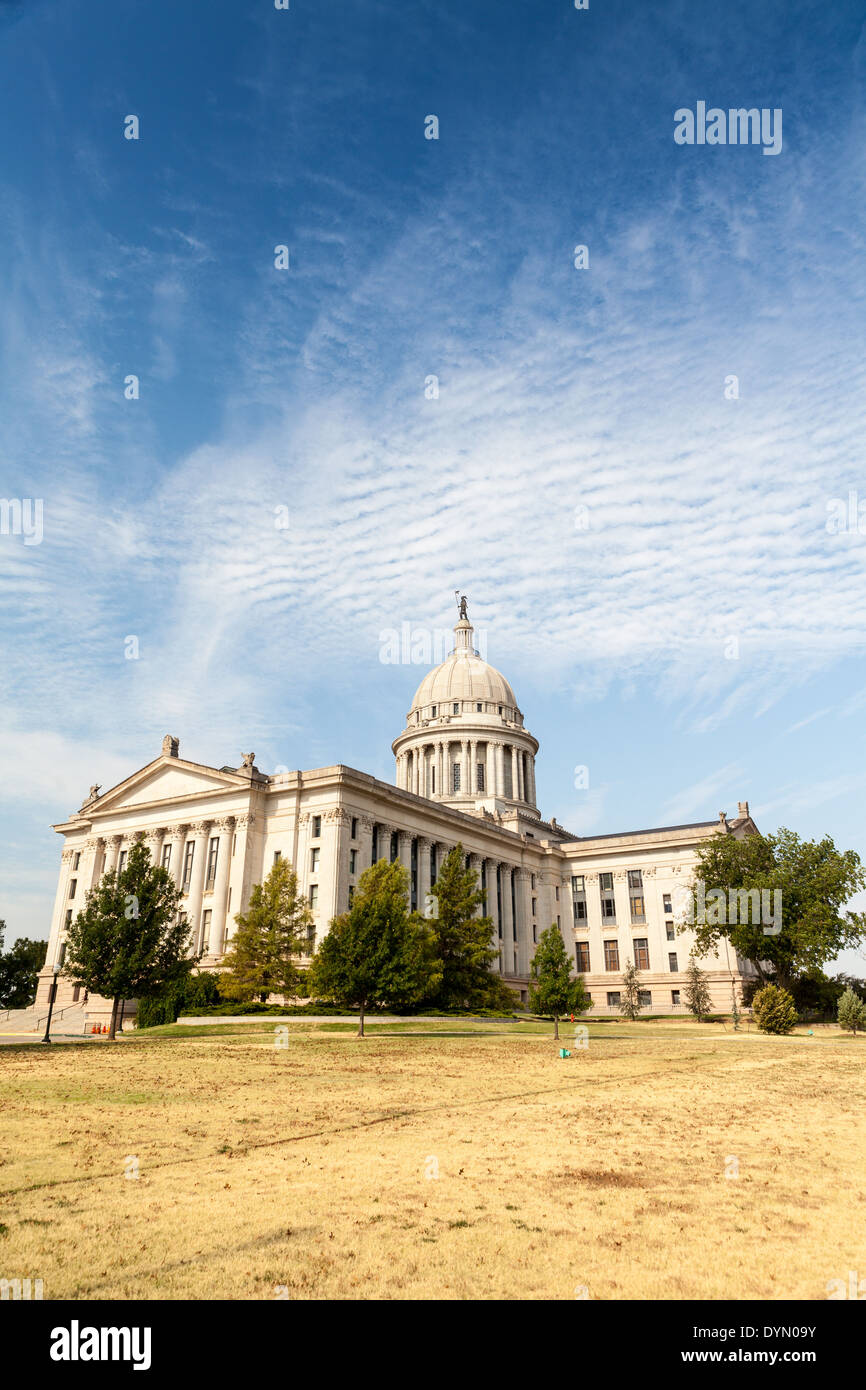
x=461, y=606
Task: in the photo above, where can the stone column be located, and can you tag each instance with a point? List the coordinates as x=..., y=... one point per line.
x=153, y=840
x=514, y=775
x=523, y=897
x=507, y=921
x=114, y=843
x=364, y=844
x=423, y=874
x=237, y=871
x=499, y=759
x=473, y=766
x=475, y=862
x=199, y=833
x=95, y=850
x=178, y=834
x=441, y=779
x=214, y=946
x=530, y=768
x=404, y=850
x=492, y=908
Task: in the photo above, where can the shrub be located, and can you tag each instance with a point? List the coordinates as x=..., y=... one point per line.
x=852, y=1012
x=774, y=1010
x=194, y=994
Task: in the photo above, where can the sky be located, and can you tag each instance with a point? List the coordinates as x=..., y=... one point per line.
x=646, y=473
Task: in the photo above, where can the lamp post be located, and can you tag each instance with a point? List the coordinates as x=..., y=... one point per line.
x=52, y=996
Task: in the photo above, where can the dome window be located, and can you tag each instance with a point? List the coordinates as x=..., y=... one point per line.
x=456, y=707
x=433, y=712
x=478, y=708
x=500, y=709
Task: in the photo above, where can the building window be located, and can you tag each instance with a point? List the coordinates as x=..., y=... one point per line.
x=455, y=777
x=166, y=856
x=479, y=775
x=187, y=865
x=641, y=953
x=579, y=910
x=314, y=895
x=317, y=827
x=213, y=855
x=500, y=709
x=353, y=859
x=635, y=878
x=456, y=707
x=68, y=916
x=675, y=996
x=354, y=827
x=535, y=932
x=478, y=708
x=557, y=895
x=121, y=863
x=278, y=854
x=672, y=962
x=637, y=907
x=608, y=899
x=613, y=999
x=605, y=882
x=666, y=902
x=534, y=906
x=73, y=884
x=608, y=909
x=351, y=893
x=315, y=855
x=76, y=860
x=205, y=929
x=611, y=955
x=669, y=931
x=62, y=956
x=433, y=711
x=577, y=883
x=532, y=876
x=581, y=949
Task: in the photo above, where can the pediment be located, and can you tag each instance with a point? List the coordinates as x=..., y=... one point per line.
x=165, y=780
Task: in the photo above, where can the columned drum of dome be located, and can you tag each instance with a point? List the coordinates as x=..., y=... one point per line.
x=464, y=743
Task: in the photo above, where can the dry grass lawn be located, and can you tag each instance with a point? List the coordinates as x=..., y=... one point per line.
x=313, y=1169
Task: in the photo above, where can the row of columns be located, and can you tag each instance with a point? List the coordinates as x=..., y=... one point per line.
x=506, y=886
x=417, y=765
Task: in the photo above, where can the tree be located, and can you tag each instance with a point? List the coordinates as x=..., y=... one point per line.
x=378, y=954
x=132, y=937
x=774, y=1010
x=735, y=1009
x=554, y=990
x=630, y=1004
x=19, y=972
x=813, y=879
x=274, y=929
x=698, y=999
x=462, y=941
x=852, y=1012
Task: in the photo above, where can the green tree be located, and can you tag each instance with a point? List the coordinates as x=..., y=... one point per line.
x=698, y=999
x=270, y=934
x=852, y=1012
x=462, y=941
x=774, y=1010
x=553, y=989
x=629, y=1004
x=132, y=937
x=735, y=1009
x=814, y=880
x=378, y=954
x=19, y=972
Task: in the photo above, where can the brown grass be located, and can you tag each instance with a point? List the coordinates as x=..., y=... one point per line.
x=309, y=1169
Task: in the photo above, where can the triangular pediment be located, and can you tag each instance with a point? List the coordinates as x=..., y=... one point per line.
x=164, y=781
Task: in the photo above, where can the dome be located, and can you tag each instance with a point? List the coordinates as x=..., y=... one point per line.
x=464, y=676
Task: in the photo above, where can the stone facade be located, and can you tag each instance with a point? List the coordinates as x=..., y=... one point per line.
x=465, y=768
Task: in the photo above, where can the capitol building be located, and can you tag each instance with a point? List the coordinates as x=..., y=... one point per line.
x=464, y=773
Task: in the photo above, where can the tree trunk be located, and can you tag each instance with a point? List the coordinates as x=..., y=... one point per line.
x=112, y=1031
x=360, y=1032
x=556, y=1027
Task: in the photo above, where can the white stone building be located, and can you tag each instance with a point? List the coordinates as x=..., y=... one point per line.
x=465, y=772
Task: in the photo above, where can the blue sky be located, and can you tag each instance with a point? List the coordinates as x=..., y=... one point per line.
x=698, y=641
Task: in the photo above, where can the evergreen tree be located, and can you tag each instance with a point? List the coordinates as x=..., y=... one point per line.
x=852, y=1012
x=735, y=1011
x=774, y=1010
x=378, y=954
x=463, y=941
x=554, y=990
x=19, y=972
x=630, y=1004
x=270, y=934
x=132, y=936
x=697, y=991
